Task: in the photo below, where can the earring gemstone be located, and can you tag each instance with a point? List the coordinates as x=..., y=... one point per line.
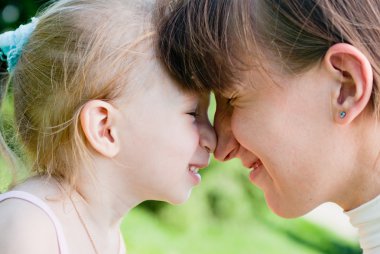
x=342, y=114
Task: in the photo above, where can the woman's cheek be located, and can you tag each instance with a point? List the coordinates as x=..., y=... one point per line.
x=239, y=126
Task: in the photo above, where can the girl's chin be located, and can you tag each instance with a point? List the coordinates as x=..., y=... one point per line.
x=180, y=199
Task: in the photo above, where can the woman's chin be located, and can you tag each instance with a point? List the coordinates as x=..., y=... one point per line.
x=286, y=214
x=287, y=210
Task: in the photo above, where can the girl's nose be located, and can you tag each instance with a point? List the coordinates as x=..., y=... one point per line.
x=207, y=137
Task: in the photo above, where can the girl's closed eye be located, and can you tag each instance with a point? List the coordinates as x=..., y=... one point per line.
x=194, y=113
x=193, y=108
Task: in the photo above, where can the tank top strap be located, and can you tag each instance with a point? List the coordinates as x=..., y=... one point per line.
x=123, y=249
x=62, y=244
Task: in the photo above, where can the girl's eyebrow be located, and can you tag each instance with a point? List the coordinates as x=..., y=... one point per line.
x=190, y=98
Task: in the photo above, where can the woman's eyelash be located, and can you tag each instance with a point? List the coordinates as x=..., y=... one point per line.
x=230, y=101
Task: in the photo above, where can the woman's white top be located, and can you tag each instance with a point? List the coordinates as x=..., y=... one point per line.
x=62, y=244
x=366, y=218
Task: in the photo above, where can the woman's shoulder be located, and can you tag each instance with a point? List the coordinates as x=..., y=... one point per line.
x=25, y=228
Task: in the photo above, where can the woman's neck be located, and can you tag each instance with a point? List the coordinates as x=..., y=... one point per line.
x=364, y=183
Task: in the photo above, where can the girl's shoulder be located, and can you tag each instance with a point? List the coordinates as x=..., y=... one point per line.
x=25, y=228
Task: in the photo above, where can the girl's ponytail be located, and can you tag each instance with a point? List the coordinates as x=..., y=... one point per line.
x=11, y=45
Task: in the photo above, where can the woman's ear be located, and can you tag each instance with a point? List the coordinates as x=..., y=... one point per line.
x=98, y=121
x=354, y=79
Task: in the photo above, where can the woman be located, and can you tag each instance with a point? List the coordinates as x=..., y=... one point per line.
x=297, y=97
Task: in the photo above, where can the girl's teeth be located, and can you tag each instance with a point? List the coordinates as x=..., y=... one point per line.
x=194, y=169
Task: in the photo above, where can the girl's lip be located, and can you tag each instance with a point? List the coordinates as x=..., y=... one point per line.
x=194, y=172
x=195, y=176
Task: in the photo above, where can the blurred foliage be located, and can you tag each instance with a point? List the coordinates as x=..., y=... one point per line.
x=225, y=215
x=17, y=12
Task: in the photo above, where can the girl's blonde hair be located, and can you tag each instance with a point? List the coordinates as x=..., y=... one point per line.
x=208, y=42
x=81, y=50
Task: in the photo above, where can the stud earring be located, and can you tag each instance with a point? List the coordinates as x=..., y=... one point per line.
x=342, y=114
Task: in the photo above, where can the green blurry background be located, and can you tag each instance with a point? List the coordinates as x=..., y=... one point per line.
x=225, y=215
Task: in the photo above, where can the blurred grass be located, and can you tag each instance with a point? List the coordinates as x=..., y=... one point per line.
x=223, y=217
x=237, y=224
x=5, y=177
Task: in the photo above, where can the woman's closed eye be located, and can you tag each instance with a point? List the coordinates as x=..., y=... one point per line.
x=231, y=101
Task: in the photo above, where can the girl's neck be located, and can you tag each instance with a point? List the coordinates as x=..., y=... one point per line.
x=104, y=195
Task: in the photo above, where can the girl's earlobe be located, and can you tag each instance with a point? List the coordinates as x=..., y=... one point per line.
x=353, y=81
x=98, y=124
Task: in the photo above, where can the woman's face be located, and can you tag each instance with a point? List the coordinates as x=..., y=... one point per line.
x=283, y=129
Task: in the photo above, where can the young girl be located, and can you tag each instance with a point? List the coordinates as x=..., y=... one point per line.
x=102, y=125
x=298, y=97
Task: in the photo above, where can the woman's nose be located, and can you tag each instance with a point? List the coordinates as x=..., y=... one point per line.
x=227, y=146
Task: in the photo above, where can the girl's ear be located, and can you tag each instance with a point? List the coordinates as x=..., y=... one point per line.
x=98, y=121
x=354, y=81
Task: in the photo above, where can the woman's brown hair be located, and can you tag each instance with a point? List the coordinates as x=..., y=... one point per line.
x=208, y=42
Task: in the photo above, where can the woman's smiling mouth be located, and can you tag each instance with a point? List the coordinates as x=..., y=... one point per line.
x=255, y=170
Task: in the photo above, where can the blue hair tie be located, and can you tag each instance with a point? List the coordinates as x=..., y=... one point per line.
x=12, y=43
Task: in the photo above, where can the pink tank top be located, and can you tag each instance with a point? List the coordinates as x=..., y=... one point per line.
x=62, y=244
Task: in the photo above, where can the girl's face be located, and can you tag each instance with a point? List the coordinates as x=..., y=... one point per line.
x=282, y=128
x=167, y=137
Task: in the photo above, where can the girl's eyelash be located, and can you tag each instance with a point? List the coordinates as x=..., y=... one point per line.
x=194, y=114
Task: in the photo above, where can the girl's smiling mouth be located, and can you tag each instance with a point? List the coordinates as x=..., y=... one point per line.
x=196, y=177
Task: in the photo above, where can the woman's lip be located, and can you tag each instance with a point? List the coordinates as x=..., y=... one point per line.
x=256, y=164
x=255, y=170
